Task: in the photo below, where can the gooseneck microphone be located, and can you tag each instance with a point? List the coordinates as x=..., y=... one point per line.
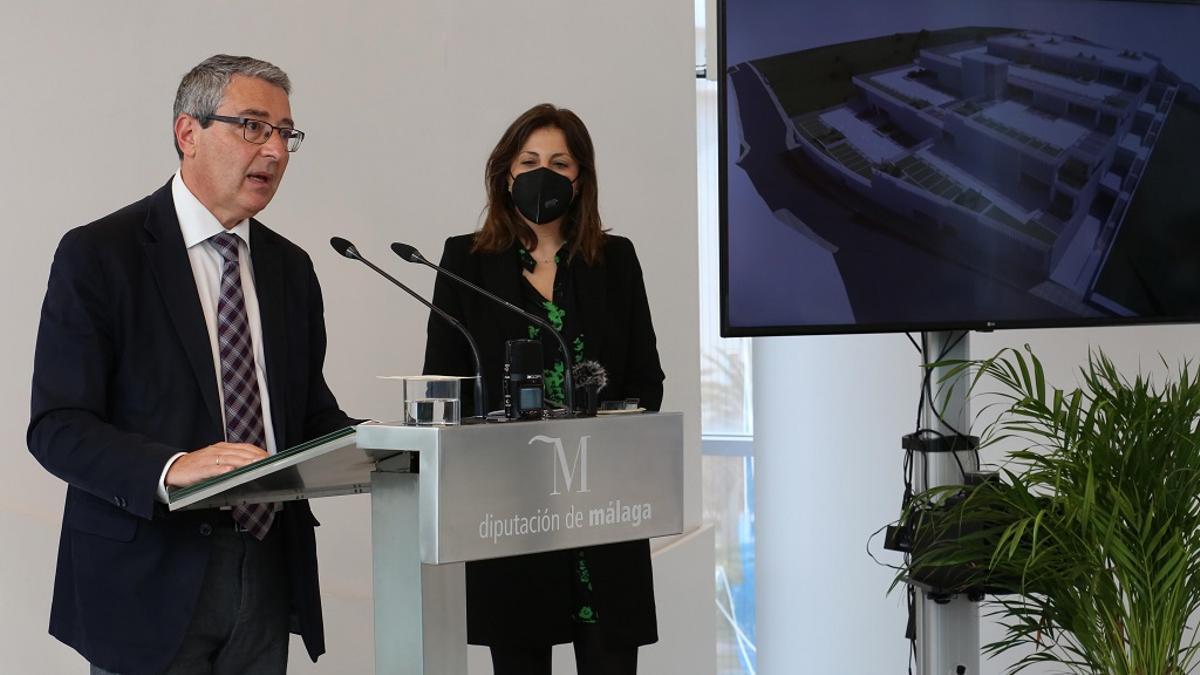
x=411, y=254
x=348, y=250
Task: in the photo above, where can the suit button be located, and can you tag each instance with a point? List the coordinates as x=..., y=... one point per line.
x=119, y=501
x=205, y=529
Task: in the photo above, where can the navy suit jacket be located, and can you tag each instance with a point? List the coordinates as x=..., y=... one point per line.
x=124, y=379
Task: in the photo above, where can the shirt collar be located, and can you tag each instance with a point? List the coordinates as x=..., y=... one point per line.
x=196, y=222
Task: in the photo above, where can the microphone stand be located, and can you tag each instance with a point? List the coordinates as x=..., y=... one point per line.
x=411, y=254
x=348, y=250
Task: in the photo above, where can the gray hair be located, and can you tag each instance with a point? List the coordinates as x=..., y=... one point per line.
x=203, y=88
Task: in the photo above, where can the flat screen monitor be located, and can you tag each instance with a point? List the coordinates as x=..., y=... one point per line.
x=890, y=165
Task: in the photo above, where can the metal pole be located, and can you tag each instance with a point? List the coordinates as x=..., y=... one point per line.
x=420, y=610
x=947, y=628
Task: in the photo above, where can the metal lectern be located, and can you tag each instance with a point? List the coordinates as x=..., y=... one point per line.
x=441, y=496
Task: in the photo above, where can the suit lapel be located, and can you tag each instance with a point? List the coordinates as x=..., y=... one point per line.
x=167, y=258
x=501, y=274
x=269, y=287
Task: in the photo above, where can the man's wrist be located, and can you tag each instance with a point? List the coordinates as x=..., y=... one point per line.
x=161, y=494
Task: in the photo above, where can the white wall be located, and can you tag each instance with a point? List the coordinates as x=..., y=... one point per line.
x=828, y=416
x=402, y=103
x=829, y=413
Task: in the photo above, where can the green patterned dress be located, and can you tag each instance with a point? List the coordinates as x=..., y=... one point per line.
x=560, y=313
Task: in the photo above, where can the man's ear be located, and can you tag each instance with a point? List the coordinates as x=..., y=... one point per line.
x=186, y=128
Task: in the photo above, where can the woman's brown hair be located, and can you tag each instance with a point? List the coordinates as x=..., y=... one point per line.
x=503, y=226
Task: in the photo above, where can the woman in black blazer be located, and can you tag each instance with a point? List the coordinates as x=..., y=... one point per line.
x=542, y=248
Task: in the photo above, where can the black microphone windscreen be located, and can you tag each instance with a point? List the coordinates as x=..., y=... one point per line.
x=409, y=253
x=343, y=247
x=523, y=357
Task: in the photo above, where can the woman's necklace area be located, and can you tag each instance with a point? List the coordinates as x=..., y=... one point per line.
x=546, y=261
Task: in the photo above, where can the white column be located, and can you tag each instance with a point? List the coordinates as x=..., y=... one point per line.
x=829, y=412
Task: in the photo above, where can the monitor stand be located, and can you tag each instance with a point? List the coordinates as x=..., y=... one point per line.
x=947, y=637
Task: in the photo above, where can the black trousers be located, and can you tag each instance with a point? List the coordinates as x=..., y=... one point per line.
x=593, y=656
x=240, y=626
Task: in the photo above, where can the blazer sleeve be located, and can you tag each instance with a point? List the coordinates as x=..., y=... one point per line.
x=69, y=432
x=644, y=376
x=322, y=414
x=446, y=350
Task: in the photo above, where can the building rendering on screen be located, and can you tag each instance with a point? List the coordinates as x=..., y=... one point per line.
x=1022, y=147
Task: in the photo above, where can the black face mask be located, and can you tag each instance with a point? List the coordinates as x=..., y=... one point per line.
x=542, y=195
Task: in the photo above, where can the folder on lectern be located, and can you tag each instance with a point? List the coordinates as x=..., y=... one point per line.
x=330, y=465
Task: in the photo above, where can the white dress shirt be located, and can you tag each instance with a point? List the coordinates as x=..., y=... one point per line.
x=198, y=225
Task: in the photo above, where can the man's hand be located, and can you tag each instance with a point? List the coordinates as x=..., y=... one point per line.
x=213, y=460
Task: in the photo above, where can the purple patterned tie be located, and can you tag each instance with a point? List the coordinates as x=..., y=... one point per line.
x=243, y=406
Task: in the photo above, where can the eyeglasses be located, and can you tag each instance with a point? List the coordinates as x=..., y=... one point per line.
x=259, y=132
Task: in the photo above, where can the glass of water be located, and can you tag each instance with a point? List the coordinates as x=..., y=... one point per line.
x=432, y=400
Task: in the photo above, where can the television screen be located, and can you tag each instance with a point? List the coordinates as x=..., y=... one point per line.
x=890, y=165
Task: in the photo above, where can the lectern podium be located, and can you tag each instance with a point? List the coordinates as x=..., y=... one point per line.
x=441, y=496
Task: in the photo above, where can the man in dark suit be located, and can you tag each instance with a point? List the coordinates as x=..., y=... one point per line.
x=181, y=339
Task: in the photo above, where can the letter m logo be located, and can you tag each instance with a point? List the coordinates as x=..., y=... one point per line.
x=567, y=470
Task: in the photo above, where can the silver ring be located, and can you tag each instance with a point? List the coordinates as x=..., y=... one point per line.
x=218, y=460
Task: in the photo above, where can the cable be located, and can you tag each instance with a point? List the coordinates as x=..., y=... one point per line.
x=927, y=358
x=974, y=450
x=914, y=342
x=912, y=640
x=929, y=385
x=927, y=394
x=872, y=555
x=953, y=453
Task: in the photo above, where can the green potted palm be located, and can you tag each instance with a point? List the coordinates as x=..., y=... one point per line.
x=1092, y=523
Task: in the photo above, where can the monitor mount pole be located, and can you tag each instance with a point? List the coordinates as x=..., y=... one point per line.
x=947, y=636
